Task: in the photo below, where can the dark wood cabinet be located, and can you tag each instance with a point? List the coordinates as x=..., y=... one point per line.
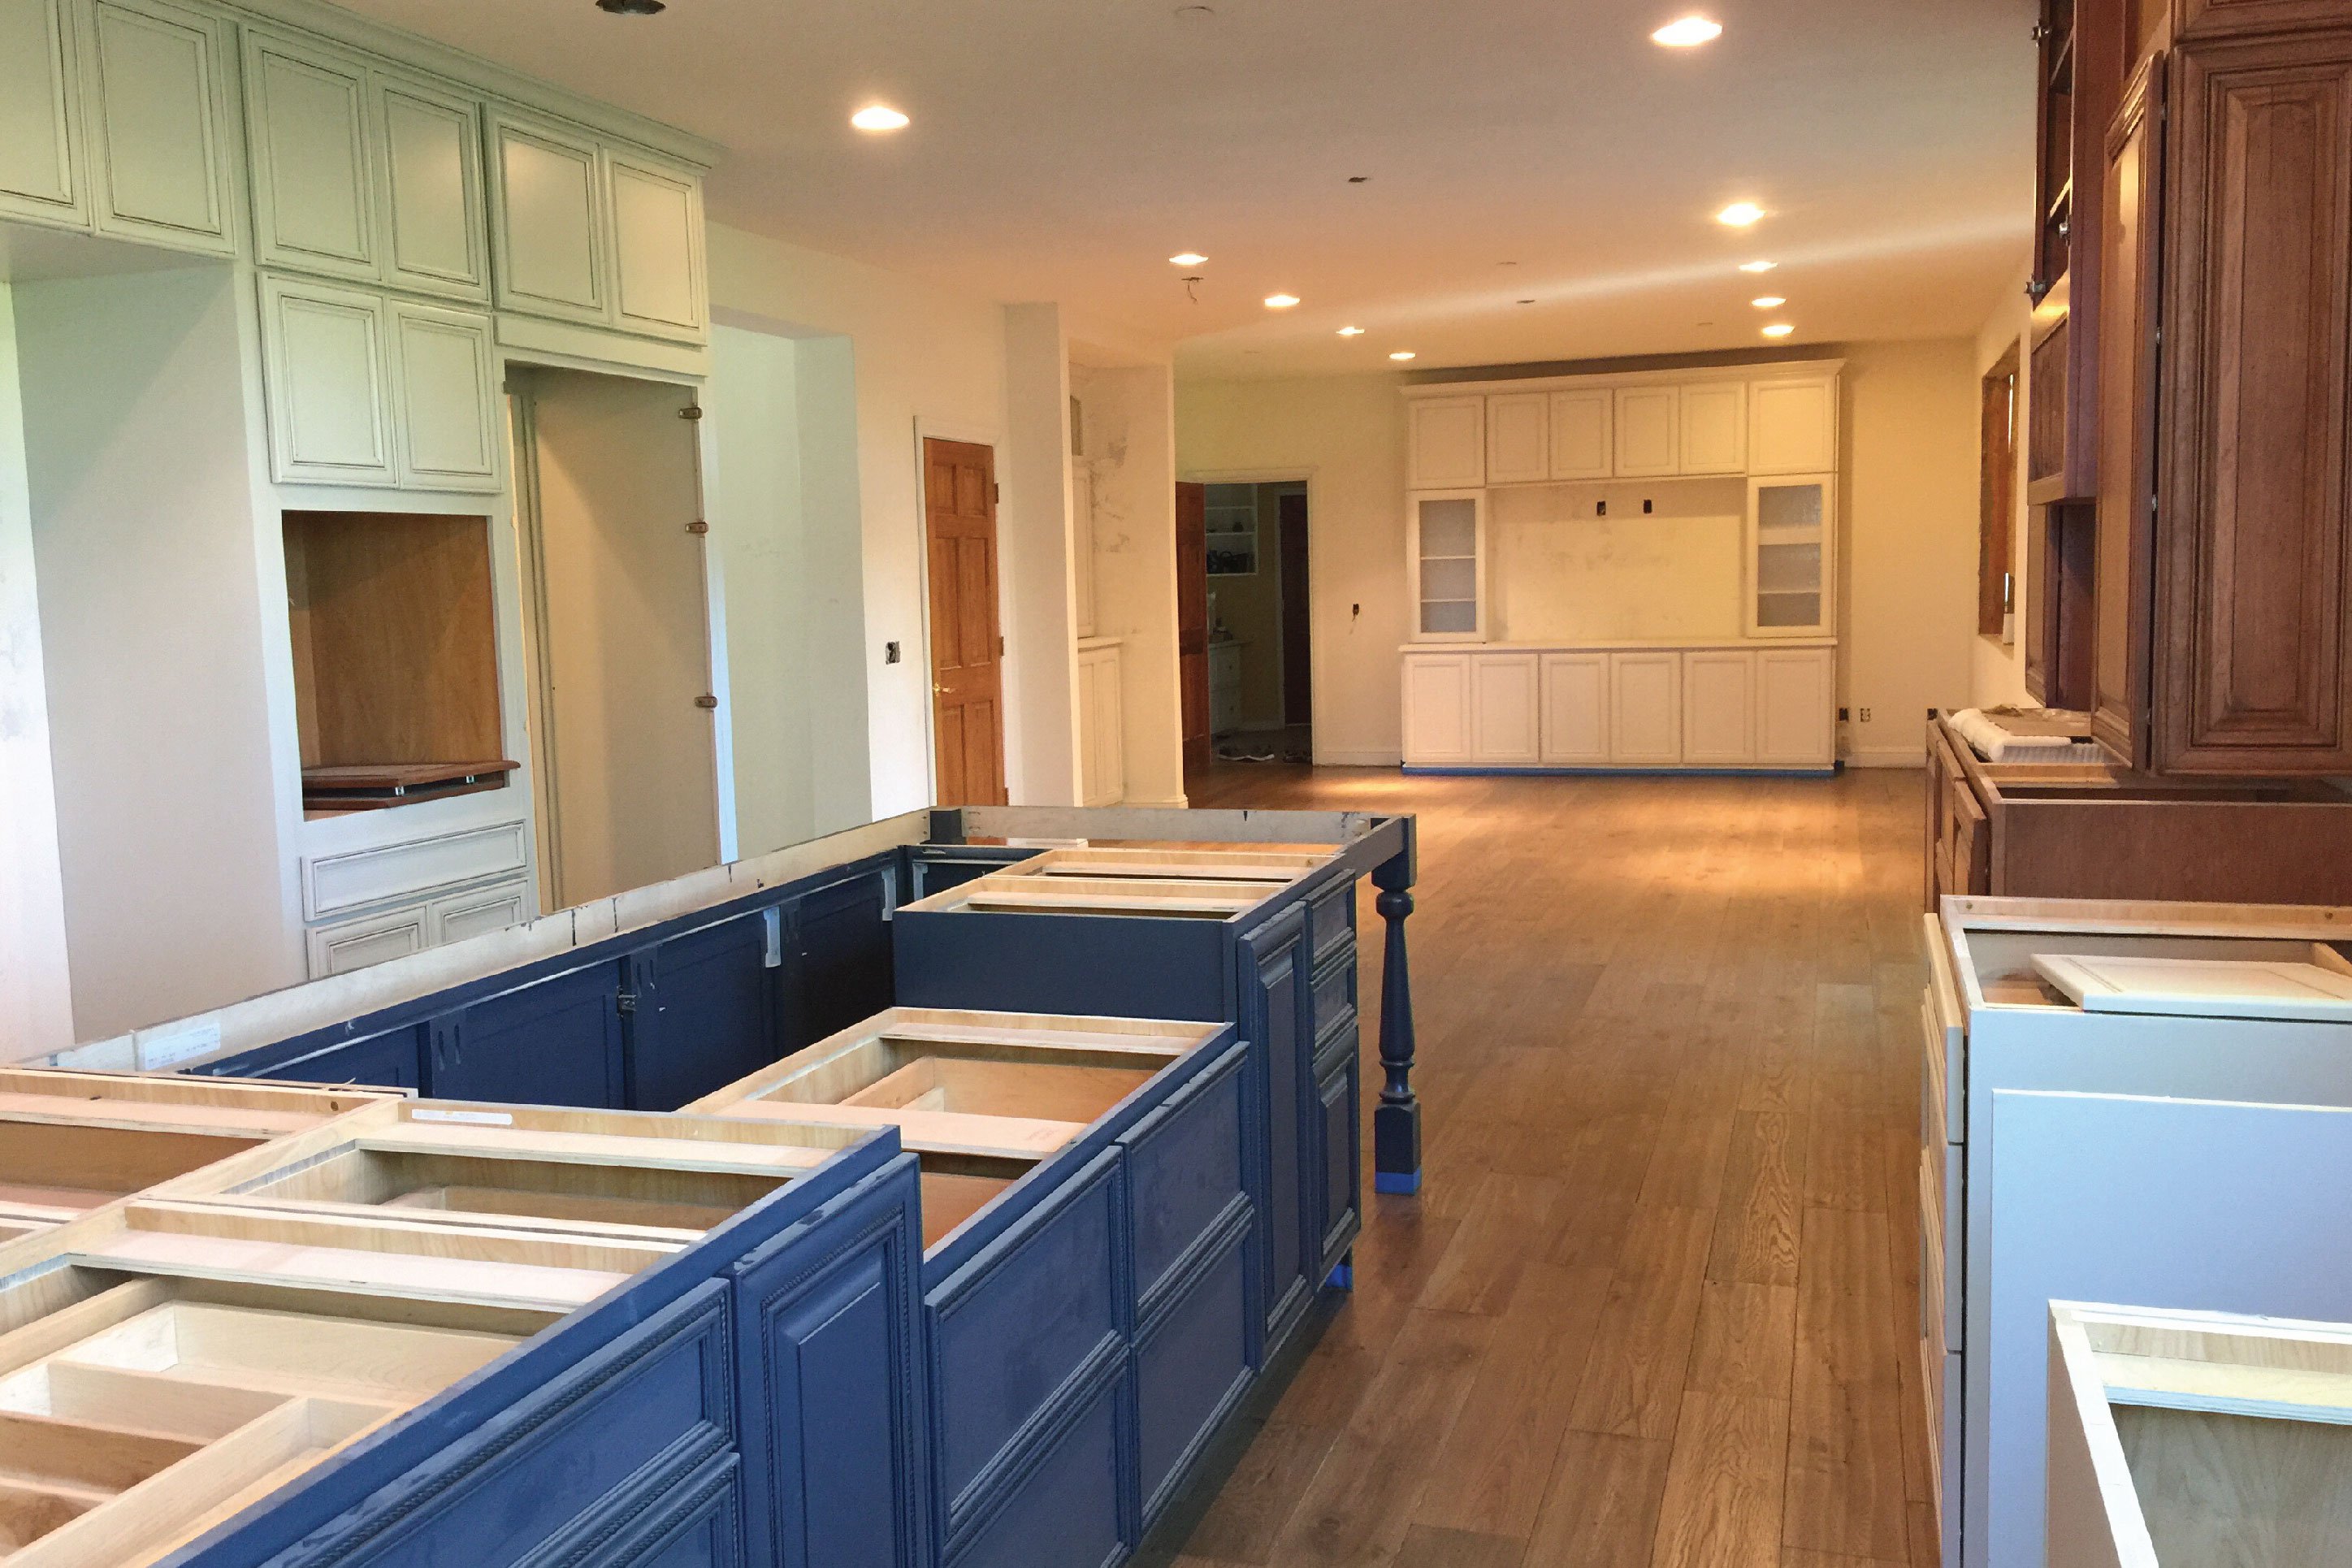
x=2059, y=606
x=2221, y=19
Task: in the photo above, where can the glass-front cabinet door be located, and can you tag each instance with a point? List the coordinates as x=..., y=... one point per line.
x=1791, y=555
x=1449, y=565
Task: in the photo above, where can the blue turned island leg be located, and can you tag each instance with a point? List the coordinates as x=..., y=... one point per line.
x=1396, y=1121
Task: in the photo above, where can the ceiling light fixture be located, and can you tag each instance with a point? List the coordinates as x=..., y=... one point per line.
x=1758, y=266
x=1187, y=258
x=1768, y=301
x=1778, y=330
x=632, y=7
x=878, y=118
x=1280, y=301
x=1687, y=33
x=1739, y=215
x=1403, y=354
x=1351, y=332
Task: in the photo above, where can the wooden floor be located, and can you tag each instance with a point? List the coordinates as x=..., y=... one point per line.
x=1656, y=1303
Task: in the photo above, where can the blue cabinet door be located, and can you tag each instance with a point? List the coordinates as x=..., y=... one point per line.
x=554, y=1042
x=829, y=1333
x=1339, y=1096
x=702, y=1010
x=1064, y=1510
x=1193, y=1365
x=698, y=1524
x=841, y=954
x=393, y=1059
x=1275, y=1003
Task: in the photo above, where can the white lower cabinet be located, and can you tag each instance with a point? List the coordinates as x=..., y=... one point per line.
x=346, y=945
x=1102, y=731
x=1436, y=709
x=1718, y=707
x=1575, y=710
x=1503, y=710
x=1646, y=719
x=1796, y=724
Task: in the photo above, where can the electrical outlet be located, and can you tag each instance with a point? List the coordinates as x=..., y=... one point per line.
x=889, y=653
x=1865, y=715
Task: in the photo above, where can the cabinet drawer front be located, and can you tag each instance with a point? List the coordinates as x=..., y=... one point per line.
x=486, y=909
x=1332, y=919
x=157, y=73
x=1943, y=1097
x=1942, y=1225
x=1185, y=1175
x=1941, y=1377
x=355, y=944
x=361, y=876
x=1067, y=1508
x=1335, y=996
x=36, y=140
x=1189, y=1369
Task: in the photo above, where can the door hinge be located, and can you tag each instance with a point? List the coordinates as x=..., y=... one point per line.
x=996, y=491
x=626, y=1003
x=706, y=701
x=689, y=413
x=697, y=526
x=999, y=645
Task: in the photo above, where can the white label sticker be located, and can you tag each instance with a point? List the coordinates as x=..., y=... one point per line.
x=480, y=1118
x=168, y=1044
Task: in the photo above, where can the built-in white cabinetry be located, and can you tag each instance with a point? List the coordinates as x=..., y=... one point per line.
x=1518, y=439
x=1448, y=556
x=346, y=945
x=1713, y=420
x=1645, y=710
x=1445, y=443
x=1437, y=710
x=1792, y=425
x=1795, y=707
x=1504, y=721
x=156, y=113
x=1581, y=439
x=1648, y=420
x=1225, y=688
x=1575, y=720
x=1102, y=733
x=39, y=111
x=1791, y=538
x=1718, y=707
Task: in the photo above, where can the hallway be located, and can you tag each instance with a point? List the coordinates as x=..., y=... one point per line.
x=1655, y=1305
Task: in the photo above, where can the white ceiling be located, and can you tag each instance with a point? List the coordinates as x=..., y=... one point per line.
x=1062, y=149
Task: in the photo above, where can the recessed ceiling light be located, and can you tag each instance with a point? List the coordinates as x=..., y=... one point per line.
x=878, y=117
x=1403, y=354
x=1768, y=301
x=1758, y=266
x=1351, y=332
x=1778, y=330
x=1739, y=215
x=1280, y=301
x=1688, y=32
x=1187, y=258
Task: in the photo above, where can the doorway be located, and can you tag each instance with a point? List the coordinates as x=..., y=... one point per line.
x=1260, y=654
x=967, y=644
x=618, y=630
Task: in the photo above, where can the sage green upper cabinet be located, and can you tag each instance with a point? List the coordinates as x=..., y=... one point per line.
x=309, y=140
x=37, y=132
x=547, y=220
x=657, y=248
x=329, y=394
x=446, y=433
x=435, y=238
x=161, y=138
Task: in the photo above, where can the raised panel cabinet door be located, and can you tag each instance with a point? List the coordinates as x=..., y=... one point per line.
x=1715, y=429
x=547, y=220
x=1575, y=710
x=1445, y=445
x=1718, y=704
x=1792, y=425
x=1503, y=710
x=445, y=366
x=1436, y=709
x=1648, y=435
x=330, y=407
x=1275, y=1013
x=1518, y=439
x=1645, y=710
x=1580, y=440
x=157, y=124
x=658, y=248
x=434, y=239
x=377, y=939
x=2253, y=641
x=1796, y=725
x=38, y=134
x=309, y=139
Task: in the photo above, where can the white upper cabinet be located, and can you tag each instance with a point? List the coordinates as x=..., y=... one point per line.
x=158, y=121
x=37, y=113
x=1445, y=443
x=1793, y=425
x=307, y=138
x=547, y=220
x=1648, y=418
x=435, y=236
x=1713, y=428
x=1449, y=565
x=657, y=248
x=1518, y=437
x=329, y=393
x=443, y=377
x=1791, y=555
x=1581, y=423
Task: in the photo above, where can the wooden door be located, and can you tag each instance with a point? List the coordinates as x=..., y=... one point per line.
x=1297, y=649
x=2127, y=424
x=2252, y=643
x=1193, y=618
x=967, y=649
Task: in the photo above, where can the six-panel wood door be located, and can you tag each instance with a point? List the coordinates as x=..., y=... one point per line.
x=39, y=118
x=967, y=650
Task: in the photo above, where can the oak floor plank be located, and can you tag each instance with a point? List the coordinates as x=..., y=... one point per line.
x=1722, y=1502
x=1632, y=1381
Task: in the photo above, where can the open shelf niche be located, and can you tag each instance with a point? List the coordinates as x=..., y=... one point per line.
x=395, y=657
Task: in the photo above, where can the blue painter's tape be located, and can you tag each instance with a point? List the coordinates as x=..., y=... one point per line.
x=1625, y=772
x=1396, y=1180
x=1344, y=1276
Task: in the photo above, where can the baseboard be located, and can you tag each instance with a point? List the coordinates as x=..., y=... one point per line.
x=1887, y=756
x=1327, y=758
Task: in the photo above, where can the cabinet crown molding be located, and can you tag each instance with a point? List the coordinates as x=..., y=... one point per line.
x=1687, y=375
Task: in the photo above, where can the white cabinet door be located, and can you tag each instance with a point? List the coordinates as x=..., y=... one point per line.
x=330, y=407
x=443, y=370
x=658, y=248
x=1575, y=687
x=435, y=240
x=1102, y=733
x=1647, y=441
x=158, y=122
x=1436, y=709
x=1715, y=429
x=1796, y=712
x=1518, y=439
x=1646, y=709
x=1504, y=724
x=462, y=915
x=38, y=135
x=1581, y=423
x=1718, y=694
x=1082, y=543
x=308, y=135
x=1793, y=425
x=547, y=220
x=1445, y=443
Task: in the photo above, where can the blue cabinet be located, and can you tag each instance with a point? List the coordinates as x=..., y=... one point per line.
x=556, y=1041
x=841, y=948
x=393, y=1058
x=1276, y=1020
x=702, y=1010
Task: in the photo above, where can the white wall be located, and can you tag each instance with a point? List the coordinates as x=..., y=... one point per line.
x=36, y=999
x=1998, y=669
x=1033, y=543
x=1130, y=443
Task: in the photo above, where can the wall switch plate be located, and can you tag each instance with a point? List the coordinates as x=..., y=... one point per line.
x=1865, y=715
x=889, y=653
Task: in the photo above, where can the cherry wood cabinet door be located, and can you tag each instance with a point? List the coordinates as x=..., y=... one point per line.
x=2253, y=645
